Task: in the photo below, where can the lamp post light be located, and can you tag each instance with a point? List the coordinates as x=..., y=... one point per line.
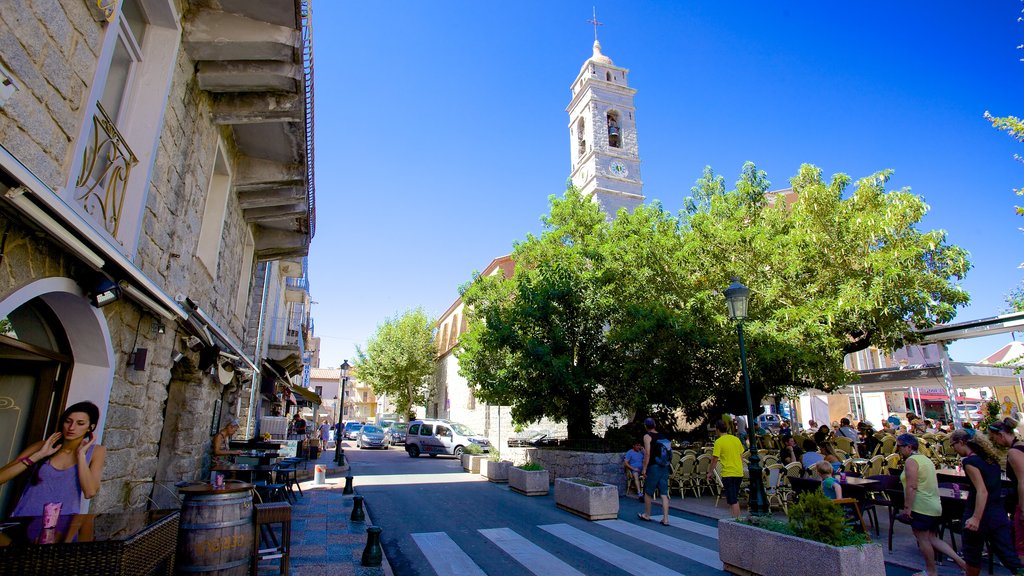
x=339, y=454
x=736, y=296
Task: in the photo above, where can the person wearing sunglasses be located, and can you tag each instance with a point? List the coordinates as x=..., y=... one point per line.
x=922, y=504
x=1003, y=433
x=985, y=519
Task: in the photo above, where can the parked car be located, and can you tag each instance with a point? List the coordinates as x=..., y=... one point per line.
x=398, y=431
x=441, y=437
x=532, y=439
x=372, y=436
x=352, y=430
x=770, y=422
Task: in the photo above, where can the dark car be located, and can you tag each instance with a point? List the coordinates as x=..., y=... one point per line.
x=352, y=430
x=371, y=436
x=397, y=430
x=532, y=439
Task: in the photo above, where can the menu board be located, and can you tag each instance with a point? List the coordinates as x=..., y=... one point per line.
x=289, y=449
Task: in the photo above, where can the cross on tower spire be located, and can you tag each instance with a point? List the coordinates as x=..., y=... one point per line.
x=595, y=22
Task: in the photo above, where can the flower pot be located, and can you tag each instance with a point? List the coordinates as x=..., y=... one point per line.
x=474, y=463
x=495, y=471
x=750, y=550
x=587, y=498
x=528, y=482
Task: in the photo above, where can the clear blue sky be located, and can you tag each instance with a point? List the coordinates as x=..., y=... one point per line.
x=441, y=127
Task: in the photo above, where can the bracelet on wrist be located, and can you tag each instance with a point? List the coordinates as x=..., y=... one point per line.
x=28, y=462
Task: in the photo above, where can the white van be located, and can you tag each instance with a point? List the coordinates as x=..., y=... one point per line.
x=441, y=437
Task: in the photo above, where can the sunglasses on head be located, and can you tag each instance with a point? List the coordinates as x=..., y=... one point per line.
x=997, y=427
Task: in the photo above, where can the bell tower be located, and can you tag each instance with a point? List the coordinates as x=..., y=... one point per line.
x=602, y=135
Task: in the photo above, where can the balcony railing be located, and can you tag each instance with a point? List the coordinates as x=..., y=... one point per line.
x=106, y=165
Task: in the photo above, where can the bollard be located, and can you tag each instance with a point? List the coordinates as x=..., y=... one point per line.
x=372, y=554
x=357, y=510
x=319, y=474
x=348, y=485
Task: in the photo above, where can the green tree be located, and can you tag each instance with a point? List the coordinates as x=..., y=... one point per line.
x=399, y=358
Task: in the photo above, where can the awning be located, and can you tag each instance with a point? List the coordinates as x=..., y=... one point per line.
x=306, y=393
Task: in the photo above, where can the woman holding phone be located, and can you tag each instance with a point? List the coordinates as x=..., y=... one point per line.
x=64, y=467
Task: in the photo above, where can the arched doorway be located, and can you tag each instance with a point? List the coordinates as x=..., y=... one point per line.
x=54, y=350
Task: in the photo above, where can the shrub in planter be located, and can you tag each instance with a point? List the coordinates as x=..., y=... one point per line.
x=495, y=470
x=529, y=479
x=467, y=453
x=817, y=529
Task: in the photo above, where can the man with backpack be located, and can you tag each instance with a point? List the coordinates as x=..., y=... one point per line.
x=729, y=451
x=657, y=459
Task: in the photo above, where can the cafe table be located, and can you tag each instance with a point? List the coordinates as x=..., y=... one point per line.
x=248, y=471
x=123, y=543
x=958, y=476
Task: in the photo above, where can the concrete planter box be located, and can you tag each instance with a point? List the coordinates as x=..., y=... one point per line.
x=749, y=550
x=471, y=462
x=495, y=471
x=576, y=495
x=528, y=482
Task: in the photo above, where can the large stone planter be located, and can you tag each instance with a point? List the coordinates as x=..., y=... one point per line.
x=495, y=471
x=583, y=498
x=528, y=482
x=471, y=462
x=749, y=550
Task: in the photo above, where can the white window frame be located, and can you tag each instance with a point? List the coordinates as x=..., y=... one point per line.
x=245, y=275
x=141, y=115
x=211, y=232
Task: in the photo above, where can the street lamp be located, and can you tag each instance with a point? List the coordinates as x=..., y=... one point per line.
x=339, y=455
x=736, y=296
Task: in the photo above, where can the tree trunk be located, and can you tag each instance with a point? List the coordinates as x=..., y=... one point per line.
x=580, y=417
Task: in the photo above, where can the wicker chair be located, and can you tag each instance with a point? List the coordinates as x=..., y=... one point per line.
x=777, y=485
x=843, y=443
x=703, y=463
x=684, y=477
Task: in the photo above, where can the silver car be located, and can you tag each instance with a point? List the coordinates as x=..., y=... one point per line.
x=373, y=437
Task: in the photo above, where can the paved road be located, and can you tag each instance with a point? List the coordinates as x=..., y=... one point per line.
x=439, y=520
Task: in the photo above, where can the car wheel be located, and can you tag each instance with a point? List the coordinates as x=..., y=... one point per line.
x=432, y=455
x=458, y=452
x=413, y=450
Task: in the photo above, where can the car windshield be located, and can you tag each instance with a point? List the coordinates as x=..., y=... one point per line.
x=353, y=426
x=399, y=427
x=372, y=430
x=462, y=429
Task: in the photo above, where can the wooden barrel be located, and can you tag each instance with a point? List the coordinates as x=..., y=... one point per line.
x=215, y=533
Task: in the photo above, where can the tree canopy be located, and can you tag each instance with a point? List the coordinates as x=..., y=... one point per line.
x=627, y=314
x=398, y=359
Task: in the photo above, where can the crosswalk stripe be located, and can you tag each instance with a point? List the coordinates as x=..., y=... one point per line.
x=683, y=548
x=536, y=559
x=610, y=553
x=445, y=556
x=695, y=527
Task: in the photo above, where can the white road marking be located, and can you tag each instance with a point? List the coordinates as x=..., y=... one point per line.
x=534, y=558
x=445, y=556
x=657, y=538
x=610, y=553
x=695, y=527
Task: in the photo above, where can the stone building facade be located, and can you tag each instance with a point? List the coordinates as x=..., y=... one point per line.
x=153, y=155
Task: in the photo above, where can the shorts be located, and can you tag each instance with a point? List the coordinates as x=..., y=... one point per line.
x=732, y=489
x=925, y=523
x=657, y=479
x=995, y=529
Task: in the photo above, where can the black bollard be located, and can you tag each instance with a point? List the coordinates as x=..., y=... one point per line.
x=348, y=485
x=372, y=554
x=357, y=510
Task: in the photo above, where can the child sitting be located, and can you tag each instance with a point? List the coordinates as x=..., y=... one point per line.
x=829, y=485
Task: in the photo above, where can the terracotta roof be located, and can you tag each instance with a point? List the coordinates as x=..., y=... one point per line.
x=325, y=373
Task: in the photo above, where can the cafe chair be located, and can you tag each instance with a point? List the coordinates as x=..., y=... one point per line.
x=776, y=485
x=270, y=492
x=843, y=443
x=684, y=477
x=287, y=473
x=893, y=463
x=895, y=505
x=703, y=463
x=265, y=543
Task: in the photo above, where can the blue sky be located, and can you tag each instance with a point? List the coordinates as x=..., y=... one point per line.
x=441, y=127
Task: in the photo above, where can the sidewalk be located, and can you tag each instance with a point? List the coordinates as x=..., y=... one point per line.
x=324, y=541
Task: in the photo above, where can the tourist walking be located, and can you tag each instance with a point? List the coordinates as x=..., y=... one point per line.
x=728, y=450
x=1004, y=434
x=921, y=503
x=985, y=519
x=655, y=471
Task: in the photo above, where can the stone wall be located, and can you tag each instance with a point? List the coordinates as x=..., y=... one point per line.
x=605, y=468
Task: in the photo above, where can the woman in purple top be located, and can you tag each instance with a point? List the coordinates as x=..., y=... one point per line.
x=64, y=467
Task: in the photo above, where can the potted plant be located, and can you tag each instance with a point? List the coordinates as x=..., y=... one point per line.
x=818, y=528
x=587, y=498
x=471, y=457
x=529, y=479
x=494, y=468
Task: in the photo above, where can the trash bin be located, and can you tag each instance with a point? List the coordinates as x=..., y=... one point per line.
x=319, y=474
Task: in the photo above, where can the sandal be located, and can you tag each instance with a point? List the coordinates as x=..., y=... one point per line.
x=665, y=522
x=641, y=516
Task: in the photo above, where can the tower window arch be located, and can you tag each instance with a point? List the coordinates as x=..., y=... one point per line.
x=581, y=137
x=608, y=76
x=614, y=130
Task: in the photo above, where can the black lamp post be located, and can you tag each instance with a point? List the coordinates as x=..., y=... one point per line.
x=339, y=454
x=736, y=296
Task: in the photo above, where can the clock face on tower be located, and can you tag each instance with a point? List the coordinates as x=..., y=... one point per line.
x=618, y=169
